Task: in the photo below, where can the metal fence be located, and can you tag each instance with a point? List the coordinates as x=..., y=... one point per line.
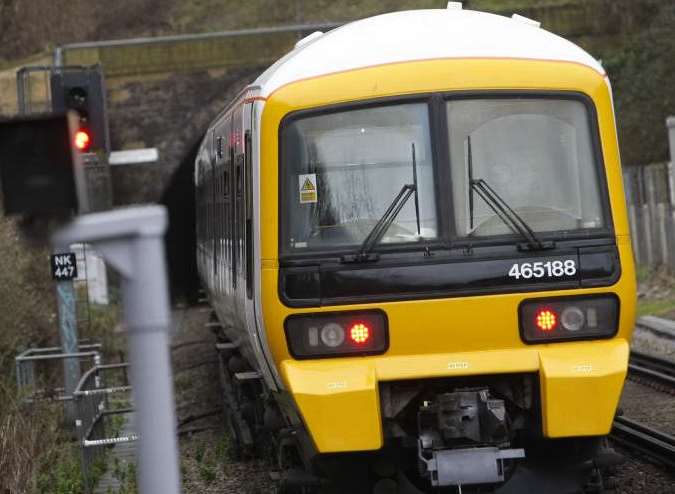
x=30, y=379
x=102, y=393
x=163, y=54
x=33, y=87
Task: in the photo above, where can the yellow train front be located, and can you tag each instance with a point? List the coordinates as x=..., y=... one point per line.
x=442, y=286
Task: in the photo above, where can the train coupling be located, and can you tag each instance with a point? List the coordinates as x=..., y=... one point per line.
x=463, y=438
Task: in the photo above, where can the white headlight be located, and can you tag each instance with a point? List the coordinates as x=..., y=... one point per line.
x=332, y=335
x=572, y=319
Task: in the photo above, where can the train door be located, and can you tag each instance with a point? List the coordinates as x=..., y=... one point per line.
x=211, y=194
x=216, y=203
x=249, y=163
x=239, y=222
x=248, y=204
x=221, y=206
x=227, y=199
x=233, y=208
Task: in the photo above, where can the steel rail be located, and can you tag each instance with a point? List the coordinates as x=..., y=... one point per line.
x=656, y=369
x=657, y=325
x=639, y=437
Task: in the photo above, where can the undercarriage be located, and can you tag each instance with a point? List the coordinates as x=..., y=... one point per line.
x=466, y=435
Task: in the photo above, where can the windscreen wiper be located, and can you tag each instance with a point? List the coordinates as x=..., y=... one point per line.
x=380, y=228
x=377, y=232
x=505, y=213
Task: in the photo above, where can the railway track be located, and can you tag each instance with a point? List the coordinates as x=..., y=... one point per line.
x=639, y=437
x=652, y=371
x=657, y=373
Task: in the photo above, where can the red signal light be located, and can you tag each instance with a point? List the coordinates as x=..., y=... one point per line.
x=82, y=140
x=359, y=333
x=546, y=319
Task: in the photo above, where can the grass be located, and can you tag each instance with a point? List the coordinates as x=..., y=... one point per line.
x=207, y=459
x=65, y=476
x=126, y=474
x=657, y=290
x=36, y=455
x=657, y=307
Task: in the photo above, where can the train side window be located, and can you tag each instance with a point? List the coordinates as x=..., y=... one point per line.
x=239, y=176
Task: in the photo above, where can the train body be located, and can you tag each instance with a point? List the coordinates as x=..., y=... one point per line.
x=414, y=235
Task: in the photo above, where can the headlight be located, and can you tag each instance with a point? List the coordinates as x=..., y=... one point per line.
x=569, y=318
x=337, y=334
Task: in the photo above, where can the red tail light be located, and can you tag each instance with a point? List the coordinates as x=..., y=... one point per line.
x=546, y=320
x=82, y=140
x=359, y=333
x=337, y=334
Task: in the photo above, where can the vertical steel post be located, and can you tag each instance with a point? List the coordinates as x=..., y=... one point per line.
x=670, y=123
x=65, y=297
x=131, y=241
x=21, y=90
x=57, y=59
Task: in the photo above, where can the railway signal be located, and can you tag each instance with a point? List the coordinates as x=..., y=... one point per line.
x=41, y=180
x=81, y=90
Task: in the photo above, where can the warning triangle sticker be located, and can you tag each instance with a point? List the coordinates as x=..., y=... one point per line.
x=308, y=185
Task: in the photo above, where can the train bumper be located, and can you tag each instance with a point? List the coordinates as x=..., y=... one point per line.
x=580, y=385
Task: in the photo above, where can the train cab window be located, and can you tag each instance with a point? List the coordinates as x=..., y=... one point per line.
x=342, y=170
x=536, y=154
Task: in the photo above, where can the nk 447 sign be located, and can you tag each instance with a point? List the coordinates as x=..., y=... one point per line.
x=64, y=266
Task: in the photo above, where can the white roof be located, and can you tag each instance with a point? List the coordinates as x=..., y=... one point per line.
x=420, y=35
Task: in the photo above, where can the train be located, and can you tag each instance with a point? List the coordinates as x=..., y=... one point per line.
x=413, y=234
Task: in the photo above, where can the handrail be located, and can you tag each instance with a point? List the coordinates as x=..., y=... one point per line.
x=200, y=36
x=78, y=389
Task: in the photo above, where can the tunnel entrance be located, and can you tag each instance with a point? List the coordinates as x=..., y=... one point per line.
x=180, y=240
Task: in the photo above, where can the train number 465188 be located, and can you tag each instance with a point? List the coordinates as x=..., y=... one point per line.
x=541, y=269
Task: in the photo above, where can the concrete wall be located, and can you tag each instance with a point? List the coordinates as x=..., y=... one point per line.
x=167, y=111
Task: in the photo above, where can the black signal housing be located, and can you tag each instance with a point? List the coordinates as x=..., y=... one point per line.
x=82, y=90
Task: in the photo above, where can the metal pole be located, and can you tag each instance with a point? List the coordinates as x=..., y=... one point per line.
x=130, y=240
x=146, y=307
x=21, y=90
x=670, y=123
x=58, y=57
x=65, y=298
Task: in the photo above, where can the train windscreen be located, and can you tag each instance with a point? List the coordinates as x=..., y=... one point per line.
x=536, y=154
x=342, y=170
